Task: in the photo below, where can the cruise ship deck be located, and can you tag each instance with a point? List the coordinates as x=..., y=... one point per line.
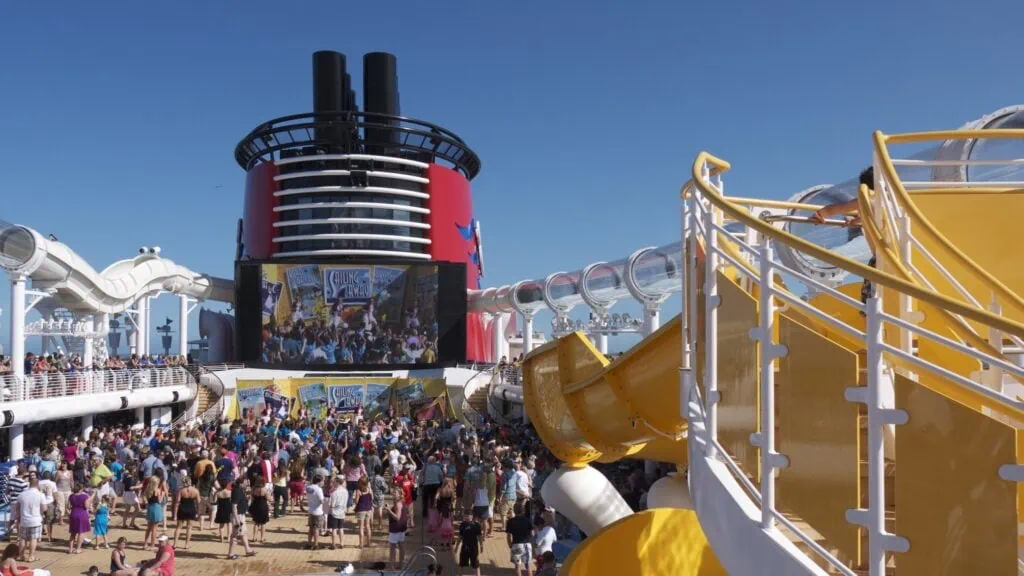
x=283, y=554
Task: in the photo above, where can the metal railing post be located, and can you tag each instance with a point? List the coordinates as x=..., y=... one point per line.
x=770, y=351
x=905, y=302
x=876, y=448
x=711, y=301
x=691, y=288
x=873, y=518
x=994, y=373
x=686, y=365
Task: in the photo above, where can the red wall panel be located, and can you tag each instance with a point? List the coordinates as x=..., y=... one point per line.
x=258, y=214
x=452, y=240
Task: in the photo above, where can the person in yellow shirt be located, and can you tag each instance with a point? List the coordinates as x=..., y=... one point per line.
x=100, y=473
x=429, y=356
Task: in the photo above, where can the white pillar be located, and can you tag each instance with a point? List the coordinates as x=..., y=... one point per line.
x=132, y=331
x=498, y=325
x=147, y=335
x=16, y=437
x=141, y=317
x=140, y=415
x=602, y=343
x=506, y=348
x=182, y=325
x=652, y=321
x=45, y=348
x=86, y=426
x=527, y=333
x=17, y=328
x=87, y=348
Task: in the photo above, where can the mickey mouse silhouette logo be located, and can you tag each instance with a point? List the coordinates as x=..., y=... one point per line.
x=469, y=233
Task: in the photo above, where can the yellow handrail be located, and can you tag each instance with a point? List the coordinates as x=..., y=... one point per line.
x=918, y=219
x=936, y=135
x=883, y=279
x=885, y=245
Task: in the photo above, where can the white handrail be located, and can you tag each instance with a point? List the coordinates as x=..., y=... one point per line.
x=59, y=384
x=701, y=225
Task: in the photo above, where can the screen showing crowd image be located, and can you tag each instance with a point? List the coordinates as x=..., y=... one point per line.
x=333, y=314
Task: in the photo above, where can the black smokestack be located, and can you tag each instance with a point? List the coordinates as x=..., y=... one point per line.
x=380, y=96
x=328, y=81
x=329, y=93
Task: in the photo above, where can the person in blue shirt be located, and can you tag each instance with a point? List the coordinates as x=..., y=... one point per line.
x=239, y=442
x=329, y=348
x=346, y=355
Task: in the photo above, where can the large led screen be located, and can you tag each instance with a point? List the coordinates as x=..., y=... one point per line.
x=320, y=314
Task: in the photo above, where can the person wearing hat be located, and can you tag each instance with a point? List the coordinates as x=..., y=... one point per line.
x=163, y=564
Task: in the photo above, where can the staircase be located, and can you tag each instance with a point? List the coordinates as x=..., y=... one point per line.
x=208, y=404
x=478, y=400
x=205, y=399
x=890, y=489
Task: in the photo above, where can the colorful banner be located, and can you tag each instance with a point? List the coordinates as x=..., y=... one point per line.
x=279, y=404
x=288, y=397
x=347, y=397
x=378, y=398
x=348, y=284
x=410, y=394
x=431, y=410
x=306, y=291
x=313, y=398
x=250, y=398
x=388, y=280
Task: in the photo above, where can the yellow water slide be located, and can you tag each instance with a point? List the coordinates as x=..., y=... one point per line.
x=586, y=408
x=958, y=444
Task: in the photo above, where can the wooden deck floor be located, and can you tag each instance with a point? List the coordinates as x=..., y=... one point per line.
x=282, y=554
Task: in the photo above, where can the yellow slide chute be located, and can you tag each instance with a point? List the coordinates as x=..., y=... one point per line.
x=659, y=541
x=586, y=408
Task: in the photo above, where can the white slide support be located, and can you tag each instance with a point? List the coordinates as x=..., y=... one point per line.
x=53, y=266
x=584, y=496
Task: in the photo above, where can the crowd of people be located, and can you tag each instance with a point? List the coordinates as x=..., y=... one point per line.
x=59, y=363
x=49, y=375
x=459, y=486
x=356, y=338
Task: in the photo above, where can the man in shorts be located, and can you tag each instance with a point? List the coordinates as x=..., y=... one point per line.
x=508, y=495
x=315, y=503
x=49, y=489
x=29, y=509
x=470, y=543
x=519, y=534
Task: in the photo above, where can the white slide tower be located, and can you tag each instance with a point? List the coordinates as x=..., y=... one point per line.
x=66, y=280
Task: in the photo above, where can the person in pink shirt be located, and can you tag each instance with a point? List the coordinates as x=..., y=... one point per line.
x=70, y=451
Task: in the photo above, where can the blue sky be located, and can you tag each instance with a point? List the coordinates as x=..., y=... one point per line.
x=118, y=119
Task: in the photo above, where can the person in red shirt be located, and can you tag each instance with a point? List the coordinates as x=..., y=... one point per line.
x=405, y=481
